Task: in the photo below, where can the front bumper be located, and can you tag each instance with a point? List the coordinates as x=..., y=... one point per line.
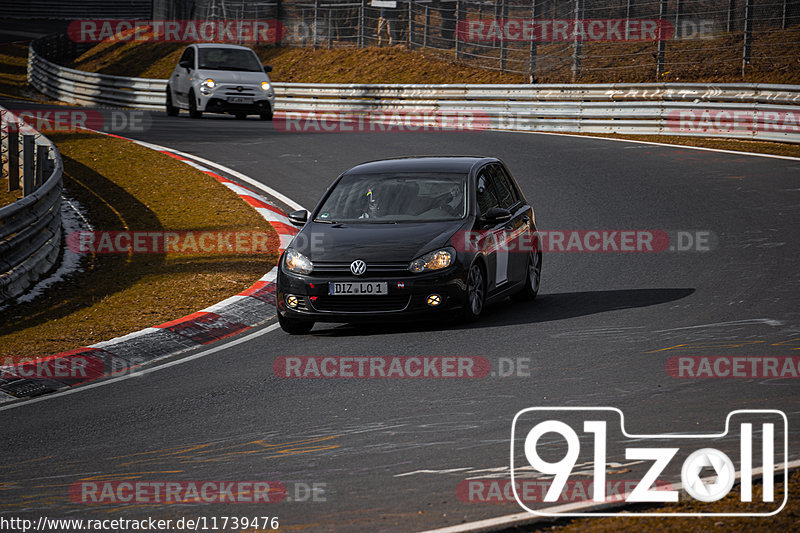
x=219, y=101
x=406, y=299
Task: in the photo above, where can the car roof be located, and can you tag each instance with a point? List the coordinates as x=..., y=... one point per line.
x=457, y=164
x=221, y=45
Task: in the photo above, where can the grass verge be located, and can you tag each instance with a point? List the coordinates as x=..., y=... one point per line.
x=760, y=147
x=124, y=186
x=786, y=520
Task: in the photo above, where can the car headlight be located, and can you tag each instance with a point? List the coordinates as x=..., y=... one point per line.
x=207, y=86
x=297, y=262
x=266, y=85
x=433, y=261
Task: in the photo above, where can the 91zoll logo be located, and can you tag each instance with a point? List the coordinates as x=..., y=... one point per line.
x=564, y=444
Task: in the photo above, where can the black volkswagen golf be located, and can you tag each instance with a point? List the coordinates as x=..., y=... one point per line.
x=410, y=238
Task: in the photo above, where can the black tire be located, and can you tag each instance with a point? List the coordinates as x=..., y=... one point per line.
x=172, y=111
x=533, y=279
x=241, y=116
x=266, y=115
x=293, y=326
x=476, y=293
x=193, y=112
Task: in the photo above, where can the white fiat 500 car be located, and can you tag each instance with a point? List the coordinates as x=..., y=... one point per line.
x=220, y=78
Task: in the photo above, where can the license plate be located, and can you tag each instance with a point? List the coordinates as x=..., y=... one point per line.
x=359, y=287
x=240, y=100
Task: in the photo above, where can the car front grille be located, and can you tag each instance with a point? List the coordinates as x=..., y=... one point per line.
x=374, y=270
x=246, y=90
x=362, y=304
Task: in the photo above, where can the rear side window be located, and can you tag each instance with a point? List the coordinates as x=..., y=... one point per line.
x=486, y=195
x=506, y=193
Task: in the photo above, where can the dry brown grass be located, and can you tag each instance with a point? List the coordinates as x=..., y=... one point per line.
x=126, y=186
x=14, y=63
x=774, y=148
x=786, y=520
x=775, y=59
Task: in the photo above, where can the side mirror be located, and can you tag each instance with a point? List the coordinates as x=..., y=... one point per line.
x=185, y=63
x=298, y=218
x=267, y=69
x=496, y=215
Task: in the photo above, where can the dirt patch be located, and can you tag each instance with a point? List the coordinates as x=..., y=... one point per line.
x=124, y=186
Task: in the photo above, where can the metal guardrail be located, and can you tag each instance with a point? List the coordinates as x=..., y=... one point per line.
x=740, y=110
x=30, y=228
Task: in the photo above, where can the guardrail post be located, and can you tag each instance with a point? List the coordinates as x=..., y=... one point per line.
x=28, y=149
x=41, y=165
x=748, y=34
x=13, y=157
x=662, y=43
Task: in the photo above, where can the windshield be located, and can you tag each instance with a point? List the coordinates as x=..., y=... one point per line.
x=228, y=59
x=391, y=198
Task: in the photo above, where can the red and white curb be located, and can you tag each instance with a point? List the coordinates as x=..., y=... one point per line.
x=241, y=312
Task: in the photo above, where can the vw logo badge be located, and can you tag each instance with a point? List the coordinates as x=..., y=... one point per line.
x=358, y=267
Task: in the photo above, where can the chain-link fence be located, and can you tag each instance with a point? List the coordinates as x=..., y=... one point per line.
x=547, y=40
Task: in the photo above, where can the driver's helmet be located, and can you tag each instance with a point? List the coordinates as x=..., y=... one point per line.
x=371, y=206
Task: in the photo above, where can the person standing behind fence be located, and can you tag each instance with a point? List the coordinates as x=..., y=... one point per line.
x=384, y=25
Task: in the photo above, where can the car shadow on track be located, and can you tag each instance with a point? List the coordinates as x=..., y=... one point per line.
x=546, y=308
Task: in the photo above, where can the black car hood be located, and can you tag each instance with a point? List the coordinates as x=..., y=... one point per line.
x=373, y=242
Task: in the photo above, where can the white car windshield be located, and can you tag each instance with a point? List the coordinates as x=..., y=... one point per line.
x=392, y=198
x=228, y=59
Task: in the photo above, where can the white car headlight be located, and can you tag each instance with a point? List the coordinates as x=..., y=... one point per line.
x=266, y=85
x=297, y=262
x=207, y=86
x=433, y=261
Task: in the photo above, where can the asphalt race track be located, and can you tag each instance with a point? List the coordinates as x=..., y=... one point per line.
x=599, y=334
